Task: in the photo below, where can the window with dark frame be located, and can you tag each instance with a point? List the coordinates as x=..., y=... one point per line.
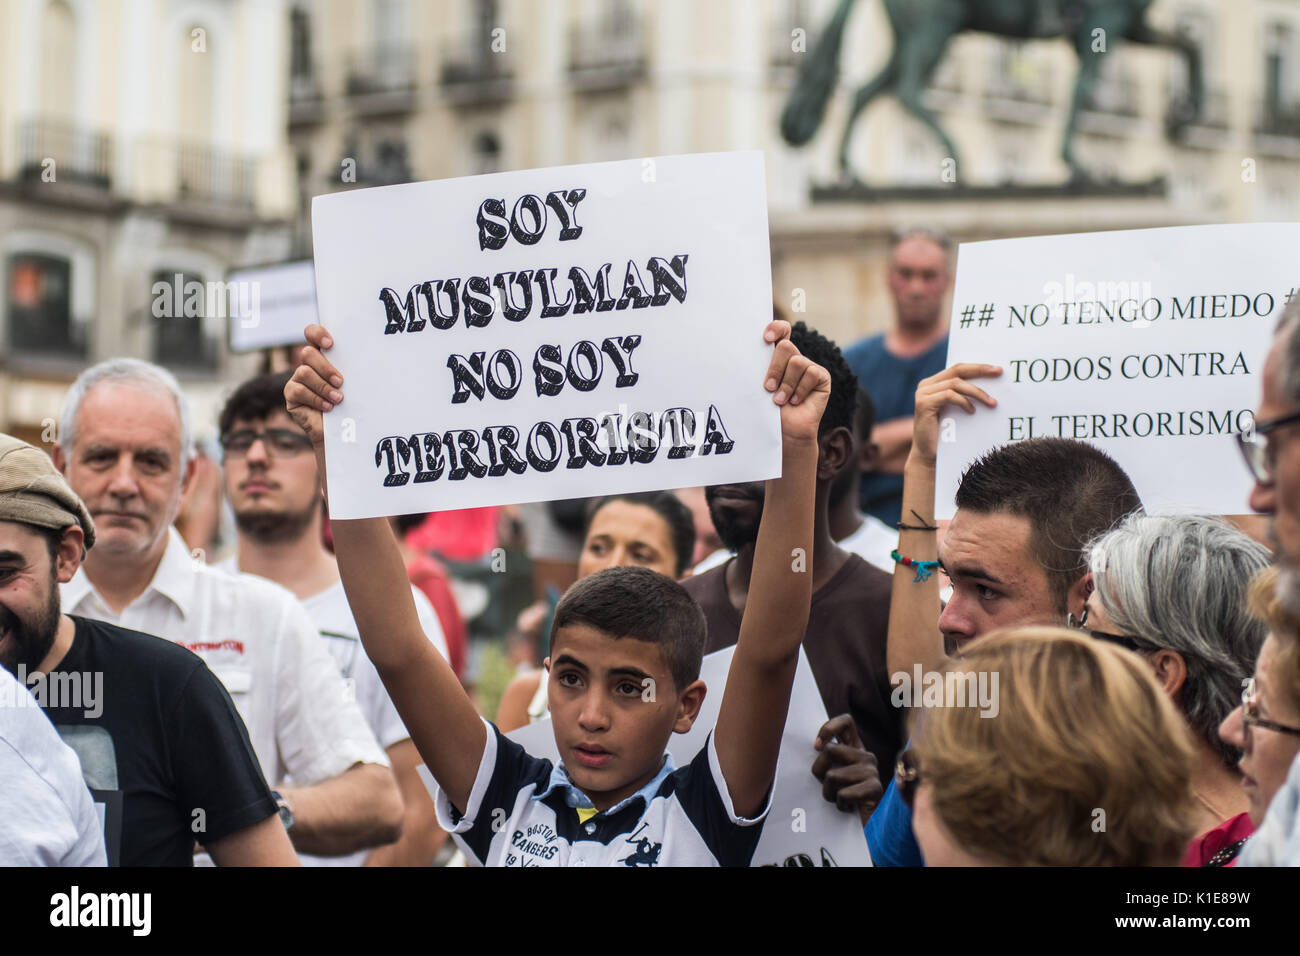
x=38, y=292
x=179, y=340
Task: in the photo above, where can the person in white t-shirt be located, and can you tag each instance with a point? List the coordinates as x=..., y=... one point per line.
x=46, y=815
x=271, y=482
x=126, y=448
x=863, y=534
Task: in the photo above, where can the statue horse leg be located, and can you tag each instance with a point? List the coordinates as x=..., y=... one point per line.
x=865, y=94
x=1113, y=25
x=918, y=58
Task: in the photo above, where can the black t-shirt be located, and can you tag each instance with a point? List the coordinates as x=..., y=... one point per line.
x=845, y=643
x=159, y=736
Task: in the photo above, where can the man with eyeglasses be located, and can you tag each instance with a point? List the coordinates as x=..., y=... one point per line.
x=1273, y=454
x=272, y=485
x=126, y=448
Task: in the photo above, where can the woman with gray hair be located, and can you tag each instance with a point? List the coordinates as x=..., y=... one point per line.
x=1173, y=588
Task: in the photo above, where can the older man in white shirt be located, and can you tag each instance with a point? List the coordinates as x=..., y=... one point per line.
x=126, y=448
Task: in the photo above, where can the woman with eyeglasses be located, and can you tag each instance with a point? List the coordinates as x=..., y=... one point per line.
x=1173, y=589
x=1266, y=726
x=1086, y=763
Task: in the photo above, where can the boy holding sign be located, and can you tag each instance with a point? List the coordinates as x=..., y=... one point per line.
x=624, y=666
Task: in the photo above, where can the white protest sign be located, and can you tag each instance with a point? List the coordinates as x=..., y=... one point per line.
x=276, y=303
x=1148, y=344
x=548, y=334
x=802, y=828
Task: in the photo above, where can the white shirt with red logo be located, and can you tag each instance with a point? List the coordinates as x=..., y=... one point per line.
x=302, y=717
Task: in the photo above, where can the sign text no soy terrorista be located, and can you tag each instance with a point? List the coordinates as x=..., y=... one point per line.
x=610, y=438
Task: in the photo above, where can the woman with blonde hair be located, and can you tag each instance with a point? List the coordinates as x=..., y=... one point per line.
x=1083, y=760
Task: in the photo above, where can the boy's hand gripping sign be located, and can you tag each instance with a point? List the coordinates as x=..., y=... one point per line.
x=548, y=334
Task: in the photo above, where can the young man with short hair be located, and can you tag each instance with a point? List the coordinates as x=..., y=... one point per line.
x=624, y=676
x=270, y=479
x=1014, y=551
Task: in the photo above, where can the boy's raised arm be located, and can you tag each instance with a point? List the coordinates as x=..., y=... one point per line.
x=747, y=736
x=443, y=723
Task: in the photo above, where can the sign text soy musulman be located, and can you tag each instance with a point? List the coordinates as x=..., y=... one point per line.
x=543, y=292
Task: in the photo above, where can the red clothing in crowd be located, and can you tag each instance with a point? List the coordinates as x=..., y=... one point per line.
x=466, y=535
x=430, y=576
x=1224, y=837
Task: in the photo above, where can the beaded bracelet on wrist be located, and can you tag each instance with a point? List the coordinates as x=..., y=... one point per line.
x=923, y=568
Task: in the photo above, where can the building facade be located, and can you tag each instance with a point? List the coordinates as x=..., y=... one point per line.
x=143, y=153
x=395, y=90
x=151, y=145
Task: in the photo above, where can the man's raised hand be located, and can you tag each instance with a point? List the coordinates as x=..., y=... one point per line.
x=314, y=387
x=949, y=387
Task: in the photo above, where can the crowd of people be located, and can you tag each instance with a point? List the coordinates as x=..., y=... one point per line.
x=285, y=704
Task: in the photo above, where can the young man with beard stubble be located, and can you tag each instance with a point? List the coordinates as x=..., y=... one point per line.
x=270, y=479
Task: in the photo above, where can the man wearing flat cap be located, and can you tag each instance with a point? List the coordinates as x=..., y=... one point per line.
x=160, y=742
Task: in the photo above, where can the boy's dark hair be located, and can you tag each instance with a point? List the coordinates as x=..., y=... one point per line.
x=1069, y=490
x=678, y=517
x=639, y=603
x=844, y=384
x=254, y=400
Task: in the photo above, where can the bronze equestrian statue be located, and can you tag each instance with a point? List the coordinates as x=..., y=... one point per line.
x=922, y=29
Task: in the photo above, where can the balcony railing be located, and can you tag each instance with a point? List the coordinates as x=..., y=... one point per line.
x=387, y=164
x=305, y=102
x=209, y=176
x=602, y=59
x=473, y=75
x=381, y=79
x=1213, y=114
x=1277, y=118
x=79, y=155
